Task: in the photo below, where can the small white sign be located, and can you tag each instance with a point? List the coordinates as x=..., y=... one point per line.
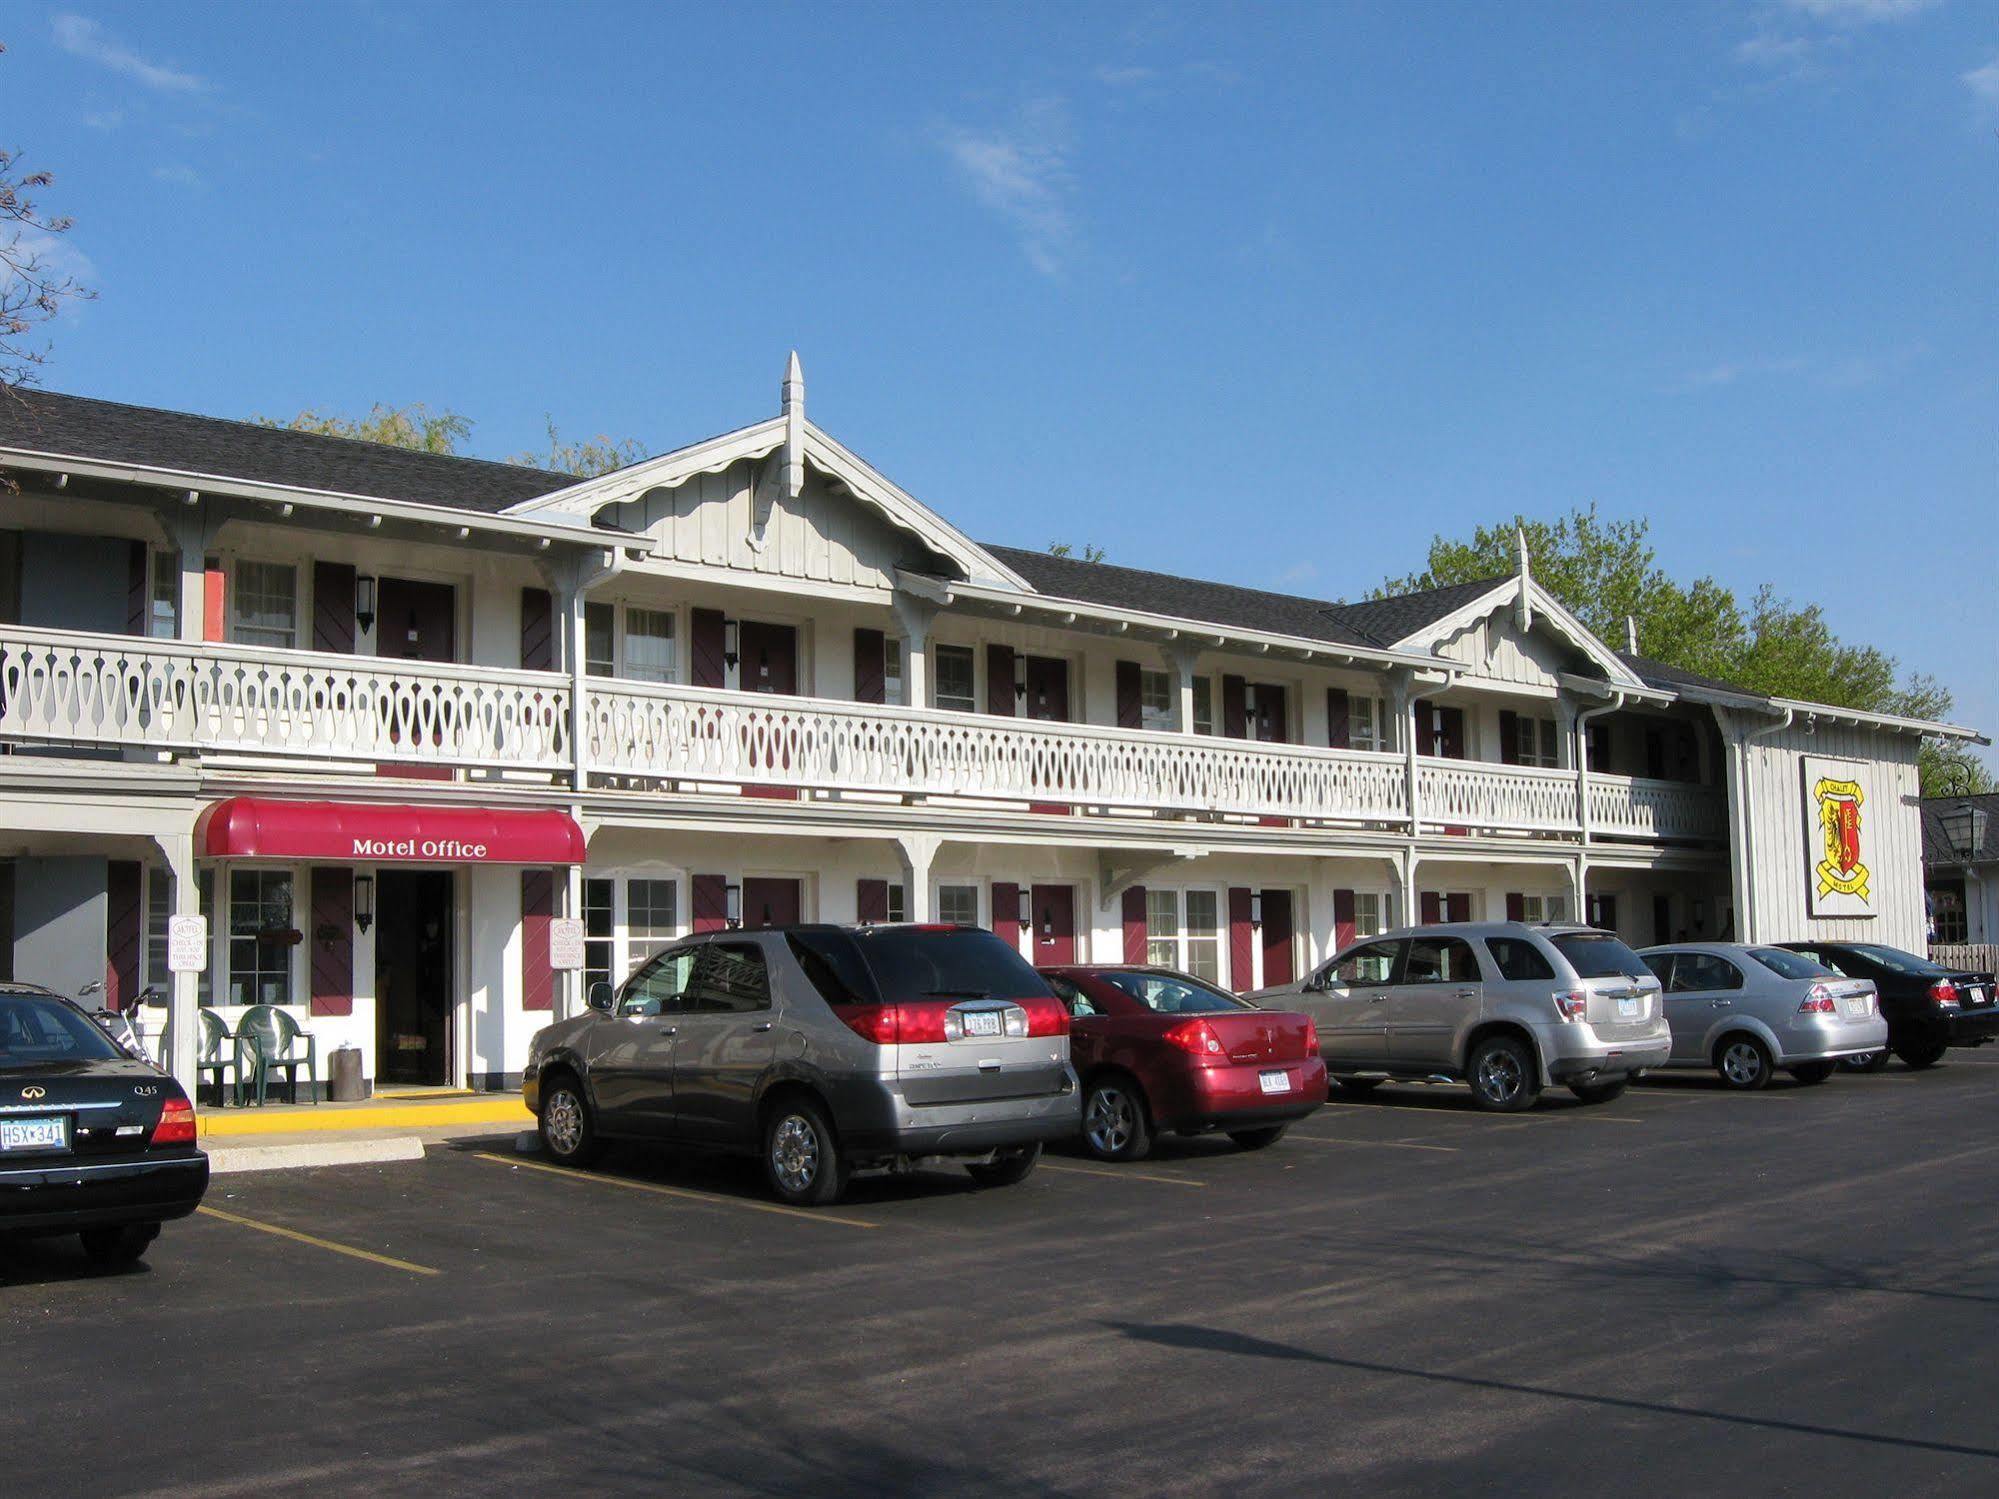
x=565, y=944
x=187, y=944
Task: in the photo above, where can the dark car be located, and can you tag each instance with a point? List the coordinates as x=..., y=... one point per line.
x=1929, y=1007
x=1159, y=1050
x=825, y=1049
x=92, y=1141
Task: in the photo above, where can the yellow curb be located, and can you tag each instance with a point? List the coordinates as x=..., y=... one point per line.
x=497, y=1109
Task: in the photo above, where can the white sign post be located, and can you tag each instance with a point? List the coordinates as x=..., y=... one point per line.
x=187, y=944
x=565, y=944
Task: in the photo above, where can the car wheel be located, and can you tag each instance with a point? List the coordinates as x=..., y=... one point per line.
x=1360, y=1085
x=1115, y=1125
x=1503, y=1075
x=1602, y=1092
x=1813, y=1073
x=568, y=1129
x=801, y=1158
x=1258, y=1139
x=1920, y=1054
x=1008, y=1168
x=1873, y=1061
x=126, y=1244
x=1743, y=1062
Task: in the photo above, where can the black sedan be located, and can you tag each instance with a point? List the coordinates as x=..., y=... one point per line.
x=92, y=1141
x=1929, y=1008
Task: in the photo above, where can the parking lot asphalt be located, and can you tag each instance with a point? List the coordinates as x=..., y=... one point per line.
x=1792, y=1292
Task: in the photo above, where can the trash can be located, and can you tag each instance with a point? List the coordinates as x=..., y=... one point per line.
x=344, y=1083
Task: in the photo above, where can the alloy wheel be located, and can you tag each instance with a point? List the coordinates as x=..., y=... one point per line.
x=1499, y=1076
x=1741, y=1063
x=794, y=1153
x=562, y=1122
x=1112, y=1120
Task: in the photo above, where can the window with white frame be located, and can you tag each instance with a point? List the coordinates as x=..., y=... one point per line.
x=1370, y=723
x=1535, y=743
x=600, y=640
x=651, y=908
x=1373, y=912
x=1544, y=908
x=1204, y=705
x=265, y=607
x=898, y=904
x=260, y=926
x=1155, y=699
x=600, y=933
x=163, y=598
x=1183, y=931
x=649, y=654
x=159, y=911
x=892, y=677
x=957, y=686
x=958, y=904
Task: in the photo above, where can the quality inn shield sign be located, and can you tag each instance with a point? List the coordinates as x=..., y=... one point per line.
x=1838, y=839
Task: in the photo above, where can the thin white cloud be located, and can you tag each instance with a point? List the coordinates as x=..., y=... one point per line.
x=178, y=174
x=1858, y=12
x=1118, y=77
x=56, y=254
x=1839, y=373
x=85, y=38
x=1984, y=82
x=1021, y=174
x=104, y=119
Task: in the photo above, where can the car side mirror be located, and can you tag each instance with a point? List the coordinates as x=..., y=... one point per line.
x=1319, y=982
x=601, y=996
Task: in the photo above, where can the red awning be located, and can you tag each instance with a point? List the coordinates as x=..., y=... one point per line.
x=255, y=827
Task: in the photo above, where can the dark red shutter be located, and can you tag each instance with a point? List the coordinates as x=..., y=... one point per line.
x=1339, y=719
x=1509, y=737
x=1433, y=907
x=870, y=666
x=137, y=595
x=1006, y=914
x=1277, y=943
x=1235, y=717
x=124, y=931
x=710, y=901
x=1426, y=727
x=1134, y=924
x=1343, y=919
x=871, y=901
x=1457, y=907
x=708, y=634
x=999, y=680
x=537, y=630
x=332, y=940
x=537, y=912
x=1451, y=733
x=1516, y=906
x=333, y=608
x=1273, y=714
x=1130, y=698
x=1242, y=972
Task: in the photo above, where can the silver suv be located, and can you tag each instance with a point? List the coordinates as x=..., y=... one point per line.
x=828, y=1050
x=1507, y=1007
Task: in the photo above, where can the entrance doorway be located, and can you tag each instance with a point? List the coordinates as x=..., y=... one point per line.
x=769, y=902
x=768, y=656
x=413, y=976
x=1054, y=908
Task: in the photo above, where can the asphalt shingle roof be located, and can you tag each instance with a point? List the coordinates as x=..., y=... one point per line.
x=109, y=431
x=1672, y=678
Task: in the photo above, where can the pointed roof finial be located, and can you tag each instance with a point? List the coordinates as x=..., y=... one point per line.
x=791, y=403
x=1523, y=613
x=1631, y=634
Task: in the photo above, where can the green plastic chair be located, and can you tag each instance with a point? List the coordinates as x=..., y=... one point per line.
x=212, y=1058
x=282, y=1045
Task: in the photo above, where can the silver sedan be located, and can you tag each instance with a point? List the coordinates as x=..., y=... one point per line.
x=1747, y=1011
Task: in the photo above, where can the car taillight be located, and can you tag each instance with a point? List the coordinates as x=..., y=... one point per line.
x=879, y=1024
x=1944, y=993
x=1311, y=1038
x=1818, y=1001
x=1046, y=1017
x=1572, y=1003
x=176, y=1126
x=1196, y=1037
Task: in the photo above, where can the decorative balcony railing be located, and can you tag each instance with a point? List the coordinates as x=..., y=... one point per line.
x=70, y=688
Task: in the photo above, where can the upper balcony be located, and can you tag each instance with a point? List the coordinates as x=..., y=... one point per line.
x=307, y=709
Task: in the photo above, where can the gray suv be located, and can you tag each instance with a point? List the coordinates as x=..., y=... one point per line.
x=1507, y=1007
x=827, y=1050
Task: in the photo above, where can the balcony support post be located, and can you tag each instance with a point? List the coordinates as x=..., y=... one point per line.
x=918, y=852
x=1402, y=695
x=1183, y=656
x=915, y=615
x=570, y=582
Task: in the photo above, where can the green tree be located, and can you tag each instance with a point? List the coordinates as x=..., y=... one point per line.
x=415, y=427
x=1603, y=571
x=586, y=459
x=1090, y=552
x=33, y=285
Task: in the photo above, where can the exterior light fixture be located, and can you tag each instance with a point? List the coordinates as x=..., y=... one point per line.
x=364, y=602
x=732, y=906
x=1020, y=677
x=1964, y=830
x=730, y=641
x=1256, y=908
x=1023, y=911
x=364, y=901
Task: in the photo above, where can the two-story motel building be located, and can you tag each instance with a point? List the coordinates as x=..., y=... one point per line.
x=381, y=716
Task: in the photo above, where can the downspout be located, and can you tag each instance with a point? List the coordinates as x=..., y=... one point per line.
x=1618, y=698
x=1748, y=928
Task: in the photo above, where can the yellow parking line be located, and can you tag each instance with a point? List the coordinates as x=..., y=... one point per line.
x=318, y=1243
x=716, y=1199
x=1384, y=1144
x=1137, y=1176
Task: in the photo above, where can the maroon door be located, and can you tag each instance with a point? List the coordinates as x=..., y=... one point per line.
x=770, y=903
x=1054, y=908
x=1272, y=714
x=767, y=657
x=1048, y=688
x=1278, y=967
x=1440, y=731
x=416, y=622
x=1437, y=906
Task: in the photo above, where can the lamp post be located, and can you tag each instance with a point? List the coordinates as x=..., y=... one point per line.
x=1964, y=830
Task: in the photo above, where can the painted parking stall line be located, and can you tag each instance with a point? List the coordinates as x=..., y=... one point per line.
x=329, y=1245
x=1365, y=1144
x=688, y=1194
x=1121, y=1175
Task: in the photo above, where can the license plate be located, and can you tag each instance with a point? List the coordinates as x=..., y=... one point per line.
x=1857, y=1006
x=982, y=1023
x=34, y=1134
x=1275, y=1082
x=1630, y=1007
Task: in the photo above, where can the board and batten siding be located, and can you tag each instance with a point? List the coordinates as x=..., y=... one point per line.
x=708, y=520
x=1779, y=866
x=1494, y=648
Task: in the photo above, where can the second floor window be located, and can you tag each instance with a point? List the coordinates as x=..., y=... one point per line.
x=266, y=607
x=1155, y=699
x=892, y=689
x=956, y=687
x=1204, y=705
x=1370, y=725
x=1535, y=743
x=163, y=607
x=649, y=645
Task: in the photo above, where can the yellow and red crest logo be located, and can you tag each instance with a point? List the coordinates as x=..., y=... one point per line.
x=1839, y=868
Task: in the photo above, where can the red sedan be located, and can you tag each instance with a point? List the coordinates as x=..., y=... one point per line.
x=1158, y=1050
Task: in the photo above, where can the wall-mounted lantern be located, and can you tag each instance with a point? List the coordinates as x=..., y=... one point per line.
x=364, y=602
x=731, y=639
x=364, y=901
x=1023, y=912
x=1256, y=908
x=1964, y=830
x=1020, y=677
x=732, y=906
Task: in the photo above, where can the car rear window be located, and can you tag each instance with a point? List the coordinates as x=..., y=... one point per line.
x=947, y=963
x=35, y=1032
x=833, y=962
x=1896, y=961
x=1598, y=955
x=1790, y=965
x=1518, y=959
x=1174, y=994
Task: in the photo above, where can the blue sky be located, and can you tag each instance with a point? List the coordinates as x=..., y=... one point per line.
x=1267, y=294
